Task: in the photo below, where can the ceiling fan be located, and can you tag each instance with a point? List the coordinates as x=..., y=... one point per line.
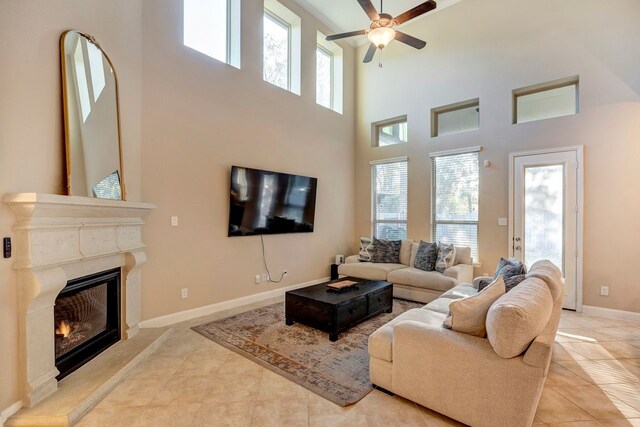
x=381, y=32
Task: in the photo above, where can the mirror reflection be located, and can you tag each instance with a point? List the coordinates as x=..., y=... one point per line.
x=92, y=129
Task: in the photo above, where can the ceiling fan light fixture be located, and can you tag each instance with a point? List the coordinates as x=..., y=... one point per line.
x=381, y=36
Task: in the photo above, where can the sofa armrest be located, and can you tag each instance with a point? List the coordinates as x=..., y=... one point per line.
x=476, y=281
x=351, y=259
x=462, y=272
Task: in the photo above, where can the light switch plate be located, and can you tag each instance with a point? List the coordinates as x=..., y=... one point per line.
x=174, y=221
x=503, y=221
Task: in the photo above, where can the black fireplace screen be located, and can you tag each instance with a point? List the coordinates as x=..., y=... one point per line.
x=87, y=319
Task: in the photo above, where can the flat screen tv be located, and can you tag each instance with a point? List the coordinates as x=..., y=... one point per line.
x=265, y=202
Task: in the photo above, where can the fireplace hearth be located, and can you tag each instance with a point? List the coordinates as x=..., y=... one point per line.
x=86, y=319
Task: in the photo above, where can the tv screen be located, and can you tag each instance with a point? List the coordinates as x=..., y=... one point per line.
x=265, y=202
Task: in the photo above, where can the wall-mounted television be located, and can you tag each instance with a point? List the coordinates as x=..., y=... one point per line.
x=266, y=202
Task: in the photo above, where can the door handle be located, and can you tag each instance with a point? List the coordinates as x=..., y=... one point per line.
x=517, y=239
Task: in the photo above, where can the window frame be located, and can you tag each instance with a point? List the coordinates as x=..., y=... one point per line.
x=374, y=212
x=287, y=26
x=434, y=221
x=376, y=128
x=331, y=56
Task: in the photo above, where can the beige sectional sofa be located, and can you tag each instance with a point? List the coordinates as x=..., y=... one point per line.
x=409, y=282
x=464, y=376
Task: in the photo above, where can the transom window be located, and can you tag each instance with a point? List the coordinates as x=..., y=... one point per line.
x=329, y=69
x=212, y=27
x=546, y=100
x=281, y=46
x=277, y=54
x=390, y=132
x=389, y=199
x=324, y=77
x=454, y=199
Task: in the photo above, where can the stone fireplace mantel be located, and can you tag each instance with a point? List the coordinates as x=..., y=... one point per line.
x=59, y=238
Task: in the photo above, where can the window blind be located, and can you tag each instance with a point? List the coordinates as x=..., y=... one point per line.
x=455, y=189
x=389, y=200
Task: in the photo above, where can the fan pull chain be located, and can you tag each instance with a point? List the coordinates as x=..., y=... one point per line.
x=380, y=58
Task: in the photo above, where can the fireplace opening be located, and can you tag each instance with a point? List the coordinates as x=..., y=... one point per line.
x=86, y=319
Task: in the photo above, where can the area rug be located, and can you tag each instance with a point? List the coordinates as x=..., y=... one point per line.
x=337, y=371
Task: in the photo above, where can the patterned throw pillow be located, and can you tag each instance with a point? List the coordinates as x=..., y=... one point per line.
x=446, y=255
x=386, y=251
x=426, y=256
x=509, y=282
x=366, y=247
x=509, y=268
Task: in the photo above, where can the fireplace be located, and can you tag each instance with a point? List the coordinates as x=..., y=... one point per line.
x=86, y=319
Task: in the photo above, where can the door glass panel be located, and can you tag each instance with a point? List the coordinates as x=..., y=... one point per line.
x=544, y=214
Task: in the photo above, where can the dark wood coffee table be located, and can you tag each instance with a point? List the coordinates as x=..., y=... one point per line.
x=335, y=312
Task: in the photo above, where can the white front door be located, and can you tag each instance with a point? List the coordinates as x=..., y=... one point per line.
x=545, y=208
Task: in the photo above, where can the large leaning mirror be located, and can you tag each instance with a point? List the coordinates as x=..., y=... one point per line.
x=92, y=119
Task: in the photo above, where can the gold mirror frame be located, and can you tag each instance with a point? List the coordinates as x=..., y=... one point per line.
x=67, y=113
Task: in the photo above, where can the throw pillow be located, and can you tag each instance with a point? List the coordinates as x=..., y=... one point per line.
x=509, y=268
x=386, y=251
x=468, y=315
x=446, y=255
x=366, y=247
x=509, y=282
x=426, y=256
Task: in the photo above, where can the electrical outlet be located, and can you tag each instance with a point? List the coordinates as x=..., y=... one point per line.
x=285, y=273
x=604, y=291
x=185, y=293
x=174, y=221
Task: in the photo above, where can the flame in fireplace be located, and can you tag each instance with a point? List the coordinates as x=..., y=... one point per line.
x=64, y=329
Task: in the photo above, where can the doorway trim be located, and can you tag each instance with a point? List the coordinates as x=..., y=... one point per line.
x=579, y=151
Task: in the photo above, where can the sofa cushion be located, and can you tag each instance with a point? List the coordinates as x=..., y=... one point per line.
x=369, y=270
x=426, y=256
x=463, y=255
x=366, y=246
x=411, y=276
x=551, y=274
x=440, y=305
x=446, y=256
x=518, y=317
x=381, y=341
x=414, y=252
x=469, y=315
x=386, y=251
x=460, y=291
x=405, y=251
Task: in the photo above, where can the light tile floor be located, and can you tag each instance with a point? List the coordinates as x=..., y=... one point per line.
x=594, y=380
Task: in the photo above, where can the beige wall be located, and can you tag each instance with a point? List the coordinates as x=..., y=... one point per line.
x=485, y=49
x=31, y=130
x=200, y=117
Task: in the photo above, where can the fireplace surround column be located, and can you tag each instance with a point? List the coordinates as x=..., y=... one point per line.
x=59, y=238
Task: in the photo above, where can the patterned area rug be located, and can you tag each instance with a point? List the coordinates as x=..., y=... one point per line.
x=337, y=371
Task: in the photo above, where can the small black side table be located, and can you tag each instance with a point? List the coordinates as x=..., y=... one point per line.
x=334, y=271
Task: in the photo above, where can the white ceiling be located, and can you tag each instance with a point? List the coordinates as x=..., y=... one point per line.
x=347, y=15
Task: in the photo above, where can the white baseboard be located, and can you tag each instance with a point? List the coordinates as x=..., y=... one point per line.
x=9, y=411
x=181, y=316
x=631, y=316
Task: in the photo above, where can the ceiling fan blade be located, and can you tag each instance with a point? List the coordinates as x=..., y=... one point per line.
x=370, y=9
x=410, y=40
x=370, y=52
x=345, y=35
x=415, y=12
